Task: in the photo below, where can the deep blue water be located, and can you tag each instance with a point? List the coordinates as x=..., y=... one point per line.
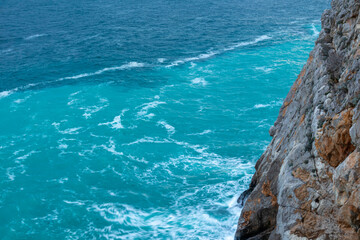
x=140, y=119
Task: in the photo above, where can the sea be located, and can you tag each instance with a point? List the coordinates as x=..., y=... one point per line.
x=140, y=119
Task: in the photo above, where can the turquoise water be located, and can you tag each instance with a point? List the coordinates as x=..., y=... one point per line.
x=151, y=149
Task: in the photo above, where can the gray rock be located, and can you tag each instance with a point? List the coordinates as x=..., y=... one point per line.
x=306, y=184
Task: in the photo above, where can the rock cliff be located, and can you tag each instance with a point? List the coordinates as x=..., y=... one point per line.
x=307, y=182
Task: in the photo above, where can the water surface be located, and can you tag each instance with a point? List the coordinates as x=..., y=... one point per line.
x=137, y=119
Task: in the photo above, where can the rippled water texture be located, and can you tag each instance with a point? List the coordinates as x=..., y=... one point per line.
x=140, y=120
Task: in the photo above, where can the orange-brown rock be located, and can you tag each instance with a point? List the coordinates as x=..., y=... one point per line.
x=334, y=142
x=301, y=192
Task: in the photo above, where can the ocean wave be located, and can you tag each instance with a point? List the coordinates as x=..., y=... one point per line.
x=143, y=113
x=77, y=203
x=70, y=131
x=120, y=213
x=104, y=70
x=272, y=104
x=112, y=148
x=148, y=140
x=133, y=158
x=197, y=148
x=161, y=60
x=170, y=129
x=200, y=81
x=190, y=59
x=10, y=174
x=21, y=100
x=89, y=110
x=63, y=146
x=131, y=65
x=60, y=180
x=209, y=160
x=213, y=53
x=315, y=31
x=201, y=133
x=264, y=69
x=126, y=66
x=27, y=155
x=116, y=123
x=179, y=221
x=34, y=36
x=243, y=44
x=6, y=93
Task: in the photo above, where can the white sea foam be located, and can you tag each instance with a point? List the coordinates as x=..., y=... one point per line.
x=116, y=123
x=34, y=36
x=243, y=44
x=6, y=93
x=262, y=105
x=180, y=219
x=148, y=140
x=315, y=31
x=18, y=151
x=77, y=203
x=131, y=65
x=75, y=93
x=201, y=133
x=70, y=131
x=170, y=129
x=272, y=104
x=104, y=70
x=133, y=158
x=10, y=174
x=177, y=218
x=126, y=66
x=112, y=148
x=213, y=53
x=120, y=213
x=161, y=60
x=199, y=82
x=143, y=113
x=89, y=110
x=190, y=59
x=197, y=148
x=264, y=69
x=60, y=180
x=63, y=146
x=21, y=100
x=27, y=155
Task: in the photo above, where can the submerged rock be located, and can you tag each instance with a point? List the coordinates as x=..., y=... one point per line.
x=307, y=182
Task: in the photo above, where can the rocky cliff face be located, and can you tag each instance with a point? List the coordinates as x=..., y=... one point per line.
x=307, y=182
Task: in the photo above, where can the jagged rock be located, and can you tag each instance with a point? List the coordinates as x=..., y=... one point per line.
x=307, y=182
x=334, y=141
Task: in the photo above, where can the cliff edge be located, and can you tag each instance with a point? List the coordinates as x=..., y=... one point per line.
x=307, y=182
